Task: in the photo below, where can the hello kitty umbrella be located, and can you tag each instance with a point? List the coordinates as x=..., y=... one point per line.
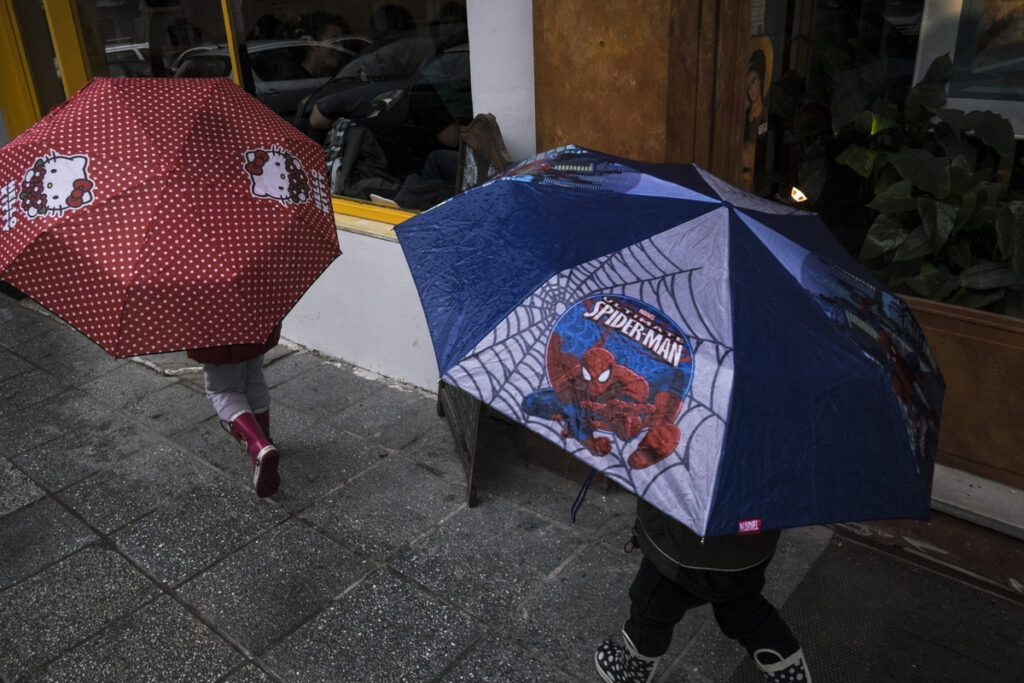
x=158, y=215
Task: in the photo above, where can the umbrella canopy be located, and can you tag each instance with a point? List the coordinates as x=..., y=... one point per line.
x=164, y=214
x=714, y=352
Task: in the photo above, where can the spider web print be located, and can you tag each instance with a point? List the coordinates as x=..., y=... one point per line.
x=683, y=273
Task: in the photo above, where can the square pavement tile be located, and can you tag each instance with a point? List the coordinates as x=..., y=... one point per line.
x=35, y=536
x=383, y=630
x=291, y=429
x=173, y=408
x=501, y=574
x=49, y=334
x=789, y=565
x=577, y=607
x=287, y=421
x=393, y=418
x=249, y=673
x=710, y=656
x=196, y=530
x=435, y=451
x=502, y=472
x=17, y=489
x=69, y=410
x=30, y=388
x=283, y=369
x=86, y=449
x=495, y=660
x=127, y=383
x=73, y=362
x=387, y=506
x=890, y=608
x=12, y=365
x=58, y=341
x=295, y=432
x=135, y=486
x=273, y=584
x=160, y=642
x=60, y=606
x=27, y=428
x=209, y=442
x=316, y=461
x=325, y=388
x=20, y=327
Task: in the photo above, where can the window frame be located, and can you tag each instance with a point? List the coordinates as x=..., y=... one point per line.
x=69, y=45
x=19, y=100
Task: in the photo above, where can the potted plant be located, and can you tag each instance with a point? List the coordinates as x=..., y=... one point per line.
x=920, y=194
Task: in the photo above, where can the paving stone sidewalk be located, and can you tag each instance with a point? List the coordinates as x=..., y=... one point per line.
x=132, y=547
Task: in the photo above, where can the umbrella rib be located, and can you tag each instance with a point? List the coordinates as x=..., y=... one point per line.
x=122, y=322
x=143, y=124
x=208, y=95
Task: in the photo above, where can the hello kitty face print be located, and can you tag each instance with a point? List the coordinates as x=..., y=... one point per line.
x=56, y=184
x=276, y=174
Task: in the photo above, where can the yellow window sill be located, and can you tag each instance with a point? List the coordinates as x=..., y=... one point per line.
x=365, y=226
x=367, y=218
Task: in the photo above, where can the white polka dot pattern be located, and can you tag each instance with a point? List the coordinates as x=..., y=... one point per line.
x=130, y=211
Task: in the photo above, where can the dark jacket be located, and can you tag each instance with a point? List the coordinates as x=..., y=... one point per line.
x=236, y=353
x=671, y=546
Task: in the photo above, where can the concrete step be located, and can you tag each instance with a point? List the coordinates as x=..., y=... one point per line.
x=987, y=503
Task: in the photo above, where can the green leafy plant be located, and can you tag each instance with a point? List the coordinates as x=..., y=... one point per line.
x=917, y=190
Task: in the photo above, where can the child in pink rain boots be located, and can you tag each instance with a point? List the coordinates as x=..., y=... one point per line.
x=236, y=387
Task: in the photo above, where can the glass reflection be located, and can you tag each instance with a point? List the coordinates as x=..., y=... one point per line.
x=145, y=38
x=384, y=87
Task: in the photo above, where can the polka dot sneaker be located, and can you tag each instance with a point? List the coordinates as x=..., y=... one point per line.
x=776, y=669
x=622, y=663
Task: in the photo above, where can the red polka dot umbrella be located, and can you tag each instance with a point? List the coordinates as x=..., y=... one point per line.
x=158, y=215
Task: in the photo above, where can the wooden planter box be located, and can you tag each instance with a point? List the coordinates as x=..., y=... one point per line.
x=981, y=356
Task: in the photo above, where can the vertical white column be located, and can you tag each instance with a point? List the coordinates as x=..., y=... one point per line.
x=501, y=68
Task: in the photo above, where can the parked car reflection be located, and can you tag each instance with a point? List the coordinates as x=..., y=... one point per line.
x=128, y=59
x=410, y=94
x=284, y=71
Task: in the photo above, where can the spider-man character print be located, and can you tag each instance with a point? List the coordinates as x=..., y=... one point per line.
x=618, y=370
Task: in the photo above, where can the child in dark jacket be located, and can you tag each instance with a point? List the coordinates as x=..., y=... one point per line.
x=680, y=571
x=238, y=390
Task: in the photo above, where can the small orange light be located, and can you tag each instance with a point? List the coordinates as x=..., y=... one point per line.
x=797, y=196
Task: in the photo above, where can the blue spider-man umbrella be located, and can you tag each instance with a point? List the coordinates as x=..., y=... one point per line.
x=719, y=354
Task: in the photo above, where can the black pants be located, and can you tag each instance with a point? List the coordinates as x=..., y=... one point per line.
x=659, y=603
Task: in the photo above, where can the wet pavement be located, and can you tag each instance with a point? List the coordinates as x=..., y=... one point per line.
x=133, y=549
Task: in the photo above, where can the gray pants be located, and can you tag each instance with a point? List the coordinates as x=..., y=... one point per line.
x=235, y=388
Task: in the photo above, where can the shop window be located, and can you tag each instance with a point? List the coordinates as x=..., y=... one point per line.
x=146, y=38
x=383, y=87
x=814, y=45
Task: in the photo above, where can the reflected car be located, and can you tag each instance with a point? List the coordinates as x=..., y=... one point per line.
x=402, y=92
x=128, y=59
x=279, y=78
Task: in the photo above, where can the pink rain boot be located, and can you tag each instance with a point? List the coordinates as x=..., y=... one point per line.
x=246, y=429
x=263, y=420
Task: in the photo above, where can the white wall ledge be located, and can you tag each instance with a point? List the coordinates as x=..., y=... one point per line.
x=984, y=502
